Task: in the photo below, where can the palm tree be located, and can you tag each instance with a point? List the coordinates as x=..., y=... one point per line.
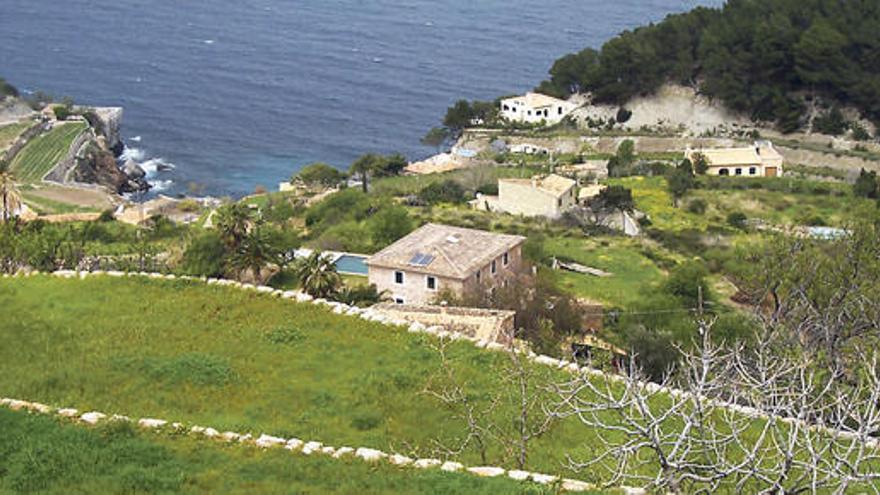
x=9, y=192
x=317, y=275
x=233, y=223
x=255, y=251
x=364, y=166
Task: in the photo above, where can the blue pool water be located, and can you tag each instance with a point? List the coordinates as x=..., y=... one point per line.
x=351, y=265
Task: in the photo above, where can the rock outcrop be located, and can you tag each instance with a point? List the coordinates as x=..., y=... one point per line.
x=109, y=122
x=98, y=166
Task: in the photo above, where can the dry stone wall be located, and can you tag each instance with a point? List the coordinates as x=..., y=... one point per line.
x=482, y=324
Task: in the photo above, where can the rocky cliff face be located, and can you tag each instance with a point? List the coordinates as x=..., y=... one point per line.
x=108, y=125
x=98, y=166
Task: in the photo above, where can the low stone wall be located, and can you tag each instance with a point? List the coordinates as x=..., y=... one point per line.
x=303, y=447
x=485, y=324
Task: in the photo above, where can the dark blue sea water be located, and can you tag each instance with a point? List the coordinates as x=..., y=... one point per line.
x=237, y=93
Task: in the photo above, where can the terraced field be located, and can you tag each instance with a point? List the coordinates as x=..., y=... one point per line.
x=8, y=133
x=42, y=153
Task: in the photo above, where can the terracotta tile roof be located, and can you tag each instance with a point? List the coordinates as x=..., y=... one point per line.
x=553, y=184
x=445, y=251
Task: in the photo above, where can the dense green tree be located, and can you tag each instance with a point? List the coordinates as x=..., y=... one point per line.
x=255, y=252
x=319, y=173
x=614, y=197
x=679, y=182
x=754, y=56
x=445, y=191
x=437, y=137
x=389, y=225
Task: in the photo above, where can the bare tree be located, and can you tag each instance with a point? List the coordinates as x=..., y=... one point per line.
x=753, y=419
x=507, y=420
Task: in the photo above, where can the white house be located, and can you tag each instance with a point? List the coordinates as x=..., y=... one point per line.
x=534, y=108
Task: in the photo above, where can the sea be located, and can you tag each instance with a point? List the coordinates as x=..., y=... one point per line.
x=232, y=95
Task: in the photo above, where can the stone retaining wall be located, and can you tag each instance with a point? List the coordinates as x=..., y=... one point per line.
x=483, y=324
x=22, y=140
x=62, y=169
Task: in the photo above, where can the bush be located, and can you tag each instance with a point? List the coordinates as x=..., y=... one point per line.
x=614, y=197
x=107, y=216
x=360, y=295
x=447, y=191
x=205, y=256
x=737, y=220
x=697, y=206
x=189, y=205
x=832, y=123
x=490, y=189
x=686, y=281
x=389, y=224
x=623, y=115
x=866, y=185
x=859, y=132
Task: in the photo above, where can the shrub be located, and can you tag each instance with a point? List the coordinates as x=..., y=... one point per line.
x=447, y=191
x=189, y=205
x=866, y=185
x=686, y=281
x=623, y=115
x=832, y=123
x=737, y=219
x=205, y=256
x=360, y=295
x=284, y=335
x=859, y=132
x=614, y=197
x=389, y=224
x=489, y=189
x=697, y=206
x=106, y=216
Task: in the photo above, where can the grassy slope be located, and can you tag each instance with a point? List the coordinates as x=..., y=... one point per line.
x=632, y=271
x=778, y=207
x=205, y=355
x=9, y=133
x=43, y=454
x=44, y=151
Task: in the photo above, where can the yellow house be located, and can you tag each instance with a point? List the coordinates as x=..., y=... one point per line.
x=758, y=160
x=547, y=196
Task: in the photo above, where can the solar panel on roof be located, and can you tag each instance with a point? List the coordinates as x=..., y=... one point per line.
x=421, y=259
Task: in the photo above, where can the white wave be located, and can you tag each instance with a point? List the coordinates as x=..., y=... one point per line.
x=161, y=185
x=129, y=153
x=153, y=165
x=136, y=139
x=208, y=42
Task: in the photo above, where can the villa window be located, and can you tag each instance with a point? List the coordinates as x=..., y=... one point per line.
x=505, y=259
x=398, y=278
x=494, y=267
x=752, y=171
x=479, y=275
x=559, y=202
x=506, y=108
x=431, y=283
x=399, y=300
x=530, y=112
x=559, y=111
x=724, y=171
x=739, y=171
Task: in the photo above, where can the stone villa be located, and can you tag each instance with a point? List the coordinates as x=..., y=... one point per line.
x=436, y=258
x=534, y=108
x=548, y=196
x=759, y=160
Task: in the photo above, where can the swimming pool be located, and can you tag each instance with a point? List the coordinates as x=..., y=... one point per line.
x=351, y=265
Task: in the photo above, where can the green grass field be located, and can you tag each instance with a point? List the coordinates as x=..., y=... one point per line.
x=241, y=361
x=38, y=157
x=627, y=259
x=46, y=206
x=9, y=133
x=40, y=454
x=833, y=204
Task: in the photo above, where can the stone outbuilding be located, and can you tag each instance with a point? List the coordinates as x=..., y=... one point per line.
x=545, y=196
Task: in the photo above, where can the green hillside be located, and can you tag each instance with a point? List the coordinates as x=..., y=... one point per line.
x=751, y=54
